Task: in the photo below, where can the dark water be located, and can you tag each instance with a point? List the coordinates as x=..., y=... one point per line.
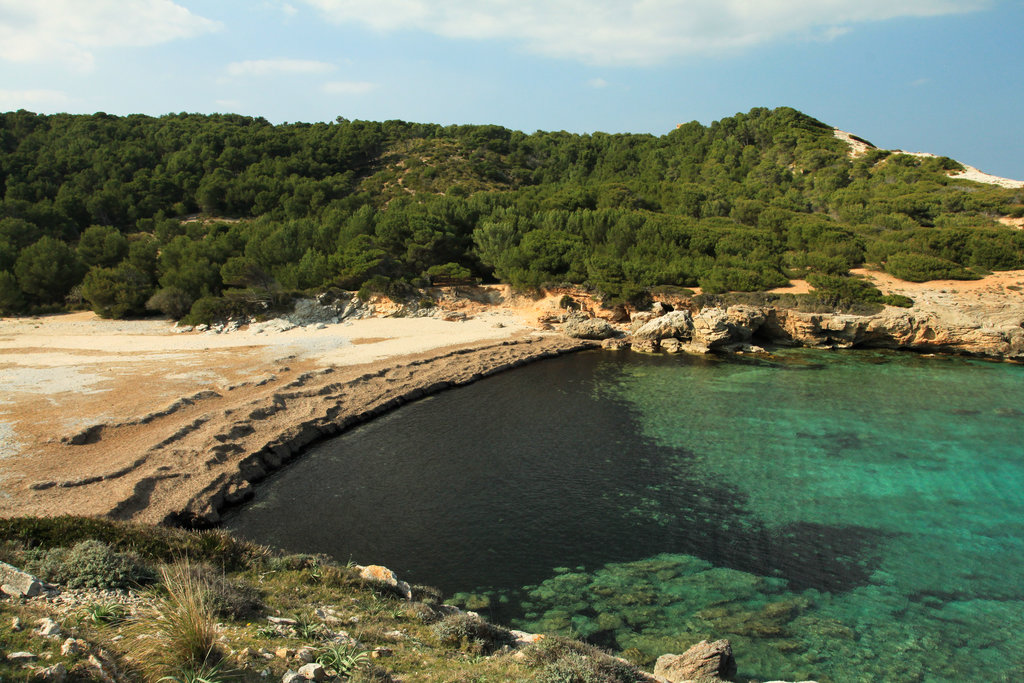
x=838, y=516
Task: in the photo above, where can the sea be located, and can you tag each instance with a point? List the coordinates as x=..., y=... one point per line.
x=837, y=515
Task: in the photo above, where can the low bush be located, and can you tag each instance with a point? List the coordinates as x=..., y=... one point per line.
x=471, y=633
x=564, y=660
x=922, y=268
x=162, y=544
x=92, y=564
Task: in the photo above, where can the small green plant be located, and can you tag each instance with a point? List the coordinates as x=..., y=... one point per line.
x=308, y=627
x=104, y=613
x=268, y=631
x=342, y=658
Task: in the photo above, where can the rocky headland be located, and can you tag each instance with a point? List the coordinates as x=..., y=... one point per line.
x=977, y=318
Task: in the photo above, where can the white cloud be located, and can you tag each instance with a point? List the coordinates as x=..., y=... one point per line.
x=70, y=31
x=34, y=100
x=276, y=67
x=597, y=83
x=632, y=31
x=348, y=87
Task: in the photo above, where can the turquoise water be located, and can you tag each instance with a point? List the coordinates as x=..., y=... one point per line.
x=841, y=516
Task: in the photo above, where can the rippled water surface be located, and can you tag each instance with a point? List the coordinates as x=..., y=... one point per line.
x=844, y=516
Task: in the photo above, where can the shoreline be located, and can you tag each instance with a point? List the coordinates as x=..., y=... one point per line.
x=137, y=420
x=185, y=462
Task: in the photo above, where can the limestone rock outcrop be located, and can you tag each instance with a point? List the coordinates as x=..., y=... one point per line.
x=580, y=327
x=675, y=324
x=705, y=662
x=992, y=331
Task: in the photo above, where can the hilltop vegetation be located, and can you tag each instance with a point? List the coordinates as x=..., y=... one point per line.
x=93, y=207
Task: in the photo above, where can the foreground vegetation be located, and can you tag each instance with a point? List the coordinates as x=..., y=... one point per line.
x=157, y=604
x=94, y=208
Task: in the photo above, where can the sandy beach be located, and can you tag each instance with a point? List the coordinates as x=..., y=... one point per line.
x=135, y=420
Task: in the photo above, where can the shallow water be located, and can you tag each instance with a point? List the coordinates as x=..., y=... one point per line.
x=840, y=516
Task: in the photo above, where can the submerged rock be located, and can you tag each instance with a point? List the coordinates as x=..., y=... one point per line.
x=705, y=662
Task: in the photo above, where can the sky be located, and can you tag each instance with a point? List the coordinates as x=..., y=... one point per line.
x=939, y=76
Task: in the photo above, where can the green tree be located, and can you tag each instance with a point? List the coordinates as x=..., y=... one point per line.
x=11, y=300
x=102, y=245
x=116, y=292
x=47, y=270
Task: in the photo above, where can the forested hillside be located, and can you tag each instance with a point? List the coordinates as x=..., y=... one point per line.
x=93, y=210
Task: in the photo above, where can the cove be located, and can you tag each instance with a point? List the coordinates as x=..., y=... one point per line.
x=840, y=516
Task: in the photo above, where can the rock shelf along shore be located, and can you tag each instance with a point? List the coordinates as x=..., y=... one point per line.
x=113, y=419
x=152, y=422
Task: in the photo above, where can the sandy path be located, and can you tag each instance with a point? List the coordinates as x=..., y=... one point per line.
x=92, y=419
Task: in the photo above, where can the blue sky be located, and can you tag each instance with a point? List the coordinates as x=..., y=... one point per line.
x=941, y=76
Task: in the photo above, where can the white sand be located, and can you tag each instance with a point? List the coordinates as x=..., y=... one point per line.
x=859, y=149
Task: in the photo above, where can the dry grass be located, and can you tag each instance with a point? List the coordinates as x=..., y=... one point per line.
x=176, y=639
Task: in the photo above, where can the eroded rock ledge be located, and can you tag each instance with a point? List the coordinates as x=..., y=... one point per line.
x=184, y=465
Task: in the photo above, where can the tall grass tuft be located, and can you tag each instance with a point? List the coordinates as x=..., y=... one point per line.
x=176, y=638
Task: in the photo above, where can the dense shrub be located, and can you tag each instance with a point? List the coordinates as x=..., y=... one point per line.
x=171, y=301
x=379, y=207
x=116, y=292
x=11, y=300
x=93, y=564
x=923, y=267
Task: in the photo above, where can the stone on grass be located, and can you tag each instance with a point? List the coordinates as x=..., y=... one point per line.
x=313, y=672
x=17, y=583
x=385, y=577
x=48, y=628
x=51, y=674
x=21, y=657
x=73, y=646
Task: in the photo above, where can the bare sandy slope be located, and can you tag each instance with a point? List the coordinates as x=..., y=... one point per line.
x=173, y=416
